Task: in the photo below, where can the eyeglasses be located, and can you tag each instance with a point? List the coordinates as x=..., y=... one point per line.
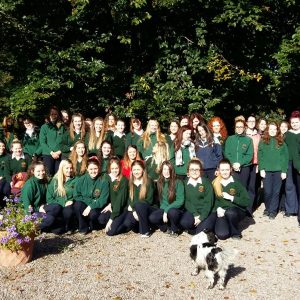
x=239, y=127
x=194, y=170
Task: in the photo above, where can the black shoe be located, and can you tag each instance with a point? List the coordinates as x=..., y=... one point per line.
x=237, y=237
x=272, y=216
x=84, y=232
x=146, y=235
x=287, y=215
x=266, y=213
x=173, y=233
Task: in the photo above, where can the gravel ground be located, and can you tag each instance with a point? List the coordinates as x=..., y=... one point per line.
x=130, y=267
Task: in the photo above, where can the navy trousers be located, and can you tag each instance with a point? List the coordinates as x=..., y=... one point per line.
x=292, y=197
x=174, y=214
x=51, y=164
x=272, y=186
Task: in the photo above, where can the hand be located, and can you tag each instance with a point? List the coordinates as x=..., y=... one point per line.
x=41, y=209
x=106, y=208
x=227, y=196
x=53, y=154
x=68, y=203
x=220, y=212
x=165, y=217
x=87, y=211
x=256, y=169
x=197, y=221
x=135, y=216
x=129, y=208
x=236, y=167
x=283, y=176
x=108, y=225
x=262, y=173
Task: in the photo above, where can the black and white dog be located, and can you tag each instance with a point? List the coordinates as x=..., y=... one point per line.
x=213, y=259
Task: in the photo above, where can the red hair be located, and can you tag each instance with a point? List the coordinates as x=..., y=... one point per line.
x=223, y=129
x=295, y=114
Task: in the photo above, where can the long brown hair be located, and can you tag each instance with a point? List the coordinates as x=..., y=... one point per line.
x=100, y=154
x=126, y=160
x=266, y=136
x=74, y=158
x=143, y=189
x=82, y=130
x=117, y=161
x=33, y=165
x=178, y=138
x=171, y=180
x=209, y=134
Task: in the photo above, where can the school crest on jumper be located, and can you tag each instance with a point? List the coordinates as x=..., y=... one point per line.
x=23, y=164
x=115, y=187
x=244, y=146
x=96, y=192
x=201, y=188
x=232, y=192
x=2, y=164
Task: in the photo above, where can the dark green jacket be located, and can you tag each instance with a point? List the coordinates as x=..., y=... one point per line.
x=145, y=152
x=132, y=139
x=31, y=144
x=119, y=145
x=272, y=157
x=241, y=197
x=292, y=141
x=51, y=136
x=33, y=193
x=151, y=169
x=239, y=148
x=199, y=200
x=4, y=168
x=52, y=195
x=179, y=196
x=92, y=192
x=16, y=166
x=149, y=195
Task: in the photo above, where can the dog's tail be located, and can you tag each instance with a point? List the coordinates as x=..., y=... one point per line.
x=228, y=255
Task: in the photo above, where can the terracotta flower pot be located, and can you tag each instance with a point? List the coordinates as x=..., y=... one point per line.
x=10, y=258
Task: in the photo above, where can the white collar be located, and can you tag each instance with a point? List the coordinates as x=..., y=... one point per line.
x=294, y=131
x=194, y=182
x=117, y=133
x=21, y=157
x=138, y=182
x=139, y=132
x=217, y=134
x=30, y=131
x=225, y=182
x=112, y=177
x=251, y=132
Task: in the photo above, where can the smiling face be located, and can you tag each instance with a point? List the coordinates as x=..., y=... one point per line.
x=93, y=170
x=132, y=153
x=173, y=128
x=239, y=127
x=283, y=128
x=216, y=127
x=106, y=149
x=2, y=148
x=196, y=121
x=251, y=123
x=153, y=126
x=184, y=122
x=186, y=135
x=137, y=172
x=80, y=149
x=194, y=171
x=202, y=132
x=17, y=149
x=39, y=172
x=272, y=130
x=120, y=126
x=111, y=121
x=295, y=123
x=114, y=169
x=225, y=170
x=166, y=172
x=77, y=122
x=262, y=125
x=136, y=125
x=68, y=170
x=28, y=124
x=98, y=125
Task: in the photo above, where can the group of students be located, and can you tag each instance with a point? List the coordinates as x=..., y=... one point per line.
x=194, y=178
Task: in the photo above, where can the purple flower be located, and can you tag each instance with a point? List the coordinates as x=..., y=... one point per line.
x=14, y=234
x=4, y=240
x=20, y=241
x=11, y=229
x=16, y=200
x=27, y=239
x=1, y=223
x=8, y=211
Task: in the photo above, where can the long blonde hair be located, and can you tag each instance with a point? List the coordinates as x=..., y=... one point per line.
x=160, y=153
x=146, y=135
x=61, y=178
x=143, y=189
x=94, y=141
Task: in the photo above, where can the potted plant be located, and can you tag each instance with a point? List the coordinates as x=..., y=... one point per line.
x=17, y=232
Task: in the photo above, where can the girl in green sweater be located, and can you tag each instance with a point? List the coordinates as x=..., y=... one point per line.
x=4, y=175
x=60, y=195
x=231, y=201
x=112, y=215
x=273, y=164
x=171, y=197
x=199, y=199
x=95, y=137
x=104, y=155
x=91, y=195
x=79, y=158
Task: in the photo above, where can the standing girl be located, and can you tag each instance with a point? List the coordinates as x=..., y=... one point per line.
x=75, y=133
x=135, y=133
x=171, y=198
x=199, y=200
x=131, y=154
x=79, y=158
x=91, y=195
x=217, y=126
x=111, y=216
x=173, y=129
x=95, y=136
x=273, y=165
x=184, y=151
x=30, y=141
x=50, y=140
x=208, y=151
x=60, y=195
x=119, y=139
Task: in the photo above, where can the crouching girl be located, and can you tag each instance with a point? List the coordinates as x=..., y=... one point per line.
x=171, y=196
x=60, y=195
x=111, y=216
x=90, y=195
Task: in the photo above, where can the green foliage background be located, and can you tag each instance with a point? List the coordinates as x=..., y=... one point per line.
x=158, y=58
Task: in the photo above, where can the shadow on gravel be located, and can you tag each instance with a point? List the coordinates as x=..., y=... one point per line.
x=233, y=272
x=244, y=224
x=52, y=245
